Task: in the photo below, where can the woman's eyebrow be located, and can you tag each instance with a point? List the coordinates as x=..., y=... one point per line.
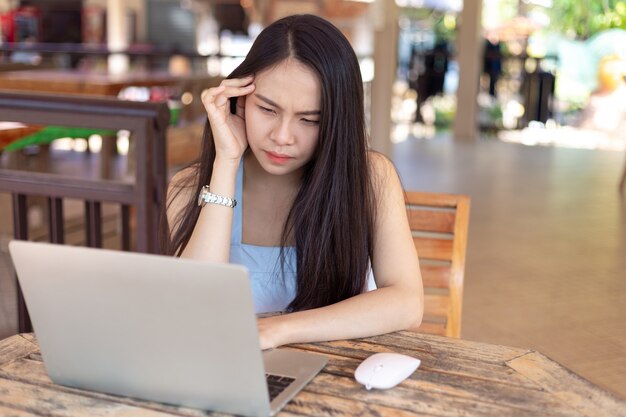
x=271, y=103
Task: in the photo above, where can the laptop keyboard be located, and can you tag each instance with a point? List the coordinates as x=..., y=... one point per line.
x=277, y=384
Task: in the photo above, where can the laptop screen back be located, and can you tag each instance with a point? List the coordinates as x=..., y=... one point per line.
x=146, y=326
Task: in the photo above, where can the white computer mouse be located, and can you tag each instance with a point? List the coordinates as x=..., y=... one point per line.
x=385, y=370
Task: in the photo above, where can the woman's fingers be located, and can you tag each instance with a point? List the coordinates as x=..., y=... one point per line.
x=237, y=82
x=228, y=129
x=208, y=96
x=241, y=107
x=234, y=88
x=230, y=92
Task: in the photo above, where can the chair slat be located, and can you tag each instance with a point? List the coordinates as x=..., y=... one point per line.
x=417, y=198
x=435, y=276
x=55, y=220
x=125, y=223
x=431, y=248
x=20, y=231
x=431, y=220
x=436, y=305
x=93, y=223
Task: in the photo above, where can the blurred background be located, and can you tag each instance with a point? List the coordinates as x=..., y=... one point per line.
x=520, y=104
x=543, y=65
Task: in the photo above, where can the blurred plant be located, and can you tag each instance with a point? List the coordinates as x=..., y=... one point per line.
x=439, y=110
x=445, y=29
x=582, y=19
x=442, y=23
x=490, y=113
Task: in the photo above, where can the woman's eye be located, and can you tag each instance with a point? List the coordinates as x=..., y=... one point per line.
x=266, y=109
x=311, y=122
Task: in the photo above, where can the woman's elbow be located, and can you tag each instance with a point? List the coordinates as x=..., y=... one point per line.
x=414, y=309
x=418, y=314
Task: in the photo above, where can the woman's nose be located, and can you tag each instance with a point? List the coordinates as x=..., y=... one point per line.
x=282, y=133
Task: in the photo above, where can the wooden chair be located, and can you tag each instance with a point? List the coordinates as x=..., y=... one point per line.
x=439, y=224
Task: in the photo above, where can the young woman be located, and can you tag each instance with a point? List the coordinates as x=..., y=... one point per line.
x=286, y=186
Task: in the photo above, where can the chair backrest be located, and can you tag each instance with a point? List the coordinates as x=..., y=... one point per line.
x=439, y=224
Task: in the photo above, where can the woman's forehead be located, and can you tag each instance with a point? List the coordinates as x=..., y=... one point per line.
x=289, y=80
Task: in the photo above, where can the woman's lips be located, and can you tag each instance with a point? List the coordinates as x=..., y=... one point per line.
x=277, y=158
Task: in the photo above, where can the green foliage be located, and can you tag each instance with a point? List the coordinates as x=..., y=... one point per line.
x=445, y=28
x=51, y=133
x=507, y=9
x=442, y=23
x=582, y=19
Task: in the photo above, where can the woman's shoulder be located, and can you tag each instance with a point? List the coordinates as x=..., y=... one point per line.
x=381, y=169
x=378, y=160
x=385, y=182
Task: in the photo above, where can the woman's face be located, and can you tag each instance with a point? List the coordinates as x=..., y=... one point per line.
x=282, y=117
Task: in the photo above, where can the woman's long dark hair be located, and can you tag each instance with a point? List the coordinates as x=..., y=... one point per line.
x=332, y=216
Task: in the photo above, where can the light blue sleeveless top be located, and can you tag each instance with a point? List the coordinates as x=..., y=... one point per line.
x=272, y=288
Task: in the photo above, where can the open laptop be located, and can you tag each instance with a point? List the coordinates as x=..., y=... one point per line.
x=157, y=328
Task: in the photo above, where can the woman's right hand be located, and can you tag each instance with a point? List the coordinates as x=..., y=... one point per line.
x=229, y=130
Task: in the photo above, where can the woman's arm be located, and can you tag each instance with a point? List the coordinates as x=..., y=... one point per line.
x=210, y=239
x=397, y=304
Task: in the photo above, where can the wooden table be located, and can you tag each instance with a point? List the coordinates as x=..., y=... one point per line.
x=456, y=378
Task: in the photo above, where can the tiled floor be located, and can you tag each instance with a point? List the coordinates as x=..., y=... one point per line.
x=546, y=264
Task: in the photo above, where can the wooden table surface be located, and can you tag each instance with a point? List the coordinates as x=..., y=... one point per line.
x=456, y=378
